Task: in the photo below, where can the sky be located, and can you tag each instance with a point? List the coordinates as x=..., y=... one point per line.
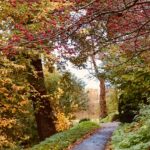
x=84, y=74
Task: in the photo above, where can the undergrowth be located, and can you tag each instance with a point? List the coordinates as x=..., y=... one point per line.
x=134, y=136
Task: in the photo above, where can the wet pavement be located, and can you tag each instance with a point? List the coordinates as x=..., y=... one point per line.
x=98, y=140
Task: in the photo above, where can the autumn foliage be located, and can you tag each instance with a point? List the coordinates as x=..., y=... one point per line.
x=30, y=29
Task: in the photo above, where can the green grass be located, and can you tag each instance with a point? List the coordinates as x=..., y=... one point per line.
x=134, y=136
x=108, y=118
x=61, y=141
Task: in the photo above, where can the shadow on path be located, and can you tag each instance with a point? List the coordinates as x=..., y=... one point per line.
x=98, y=140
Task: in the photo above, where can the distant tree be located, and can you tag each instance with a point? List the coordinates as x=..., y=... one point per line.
x=73, y=97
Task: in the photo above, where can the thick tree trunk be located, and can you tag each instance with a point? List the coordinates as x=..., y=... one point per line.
x=103, y=108
x=43, y=110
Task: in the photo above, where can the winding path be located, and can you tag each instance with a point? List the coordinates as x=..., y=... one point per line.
x=99, y=140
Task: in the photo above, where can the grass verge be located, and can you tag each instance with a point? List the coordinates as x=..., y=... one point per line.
x=63, y=140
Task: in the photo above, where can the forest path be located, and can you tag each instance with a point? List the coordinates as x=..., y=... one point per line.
x=98, y=140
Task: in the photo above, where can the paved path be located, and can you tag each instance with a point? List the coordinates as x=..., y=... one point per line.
x=99, y=139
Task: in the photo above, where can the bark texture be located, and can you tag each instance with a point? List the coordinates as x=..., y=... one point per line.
x=43, y=110
x=103, y=108
x=102, y=98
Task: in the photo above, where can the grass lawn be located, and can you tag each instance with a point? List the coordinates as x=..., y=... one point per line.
x=62, y=140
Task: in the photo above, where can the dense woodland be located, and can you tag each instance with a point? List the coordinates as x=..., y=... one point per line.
x=39, y=97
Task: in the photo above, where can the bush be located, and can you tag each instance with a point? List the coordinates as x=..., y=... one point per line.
x=62, y=140
x=111, y=117
x=134, y=136
x=84, y=119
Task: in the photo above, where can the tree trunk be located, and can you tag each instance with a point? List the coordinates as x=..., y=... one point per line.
x=43, y=111
x=103, y=108
x=102, y=98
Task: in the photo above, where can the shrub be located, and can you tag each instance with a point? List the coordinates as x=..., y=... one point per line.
x=84, y=119
x=111, y=117
x=134, y=136
x=62, y=140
